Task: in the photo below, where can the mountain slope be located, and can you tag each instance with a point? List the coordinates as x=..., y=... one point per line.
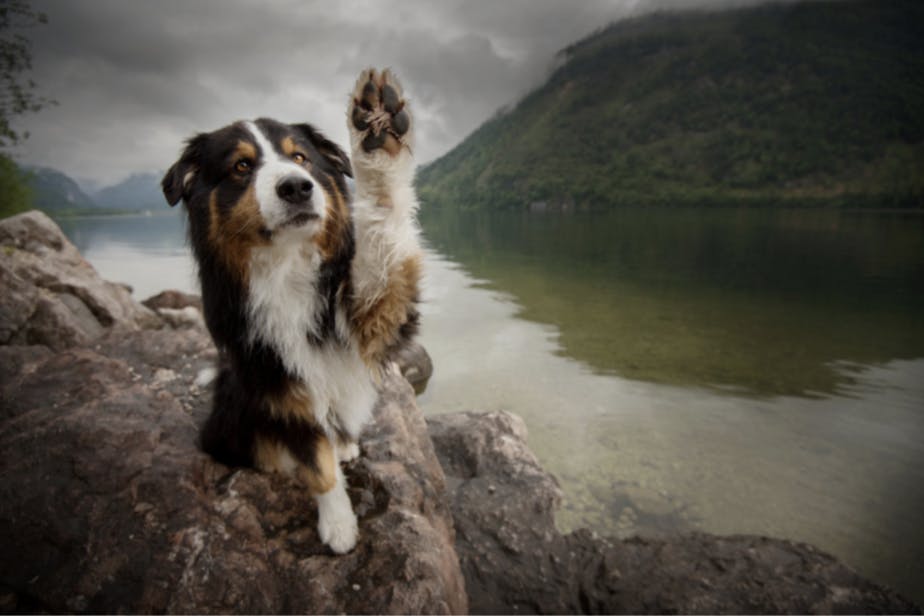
x=54, y=192
x=815, y=102
x=139, y=191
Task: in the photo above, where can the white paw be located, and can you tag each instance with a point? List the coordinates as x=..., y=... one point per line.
x=337, y=525
x=348, y=452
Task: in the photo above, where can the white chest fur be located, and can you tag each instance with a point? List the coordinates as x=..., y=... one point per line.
x=283, y=311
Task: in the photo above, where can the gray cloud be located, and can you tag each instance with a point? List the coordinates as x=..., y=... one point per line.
x=134, y=79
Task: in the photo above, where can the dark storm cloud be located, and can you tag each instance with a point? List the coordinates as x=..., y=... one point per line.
x=133, y=79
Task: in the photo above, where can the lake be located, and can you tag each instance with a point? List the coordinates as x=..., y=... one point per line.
x=729, y=371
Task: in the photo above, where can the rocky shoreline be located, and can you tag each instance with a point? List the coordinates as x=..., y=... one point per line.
x=107, y=505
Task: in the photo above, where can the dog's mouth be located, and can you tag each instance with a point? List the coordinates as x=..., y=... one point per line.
x=300, y=219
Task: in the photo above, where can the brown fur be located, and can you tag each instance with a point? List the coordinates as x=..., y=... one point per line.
x=235, y=233
x=378, y=325
x=321, y=477
x=288, y=146
x=330, y=240
x=245, y=150
x=294, y=403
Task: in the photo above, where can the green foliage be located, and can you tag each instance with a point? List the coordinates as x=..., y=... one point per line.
x=15, y=195
x=17, y=93
x=809, y=103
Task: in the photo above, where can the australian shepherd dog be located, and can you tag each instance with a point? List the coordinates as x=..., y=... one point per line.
x=306, y=288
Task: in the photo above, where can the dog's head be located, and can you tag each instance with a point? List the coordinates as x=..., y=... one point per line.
x=249, y=182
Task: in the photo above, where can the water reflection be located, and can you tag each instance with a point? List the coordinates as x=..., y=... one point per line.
x=147, y=252
x=845, y=473
x=756, y=301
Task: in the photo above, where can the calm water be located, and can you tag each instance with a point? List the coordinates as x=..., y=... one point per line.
x=733, y=371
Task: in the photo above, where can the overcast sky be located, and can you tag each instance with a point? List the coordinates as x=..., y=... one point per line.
x=134, y=79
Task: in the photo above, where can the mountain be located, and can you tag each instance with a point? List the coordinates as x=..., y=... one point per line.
x=820, y=102
x=140, y=191
x=55, y=192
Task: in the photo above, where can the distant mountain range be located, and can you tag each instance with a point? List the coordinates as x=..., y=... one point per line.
x=818, y=102
x=57, y=193
x=54, y=192
x=140, y=191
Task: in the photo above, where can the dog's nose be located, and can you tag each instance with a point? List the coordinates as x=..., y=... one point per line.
x=294, y=189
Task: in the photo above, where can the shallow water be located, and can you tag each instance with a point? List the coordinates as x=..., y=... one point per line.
x=734, y=372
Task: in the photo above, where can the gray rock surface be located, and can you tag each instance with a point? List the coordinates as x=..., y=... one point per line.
x=53, y=297
x=107, y=504
x=416, y=365
x=515, y=561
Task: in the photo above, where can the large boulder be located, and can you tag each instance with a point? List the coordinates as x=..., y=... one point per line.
x=108, y=505
x=516, y=561
x=52, y=296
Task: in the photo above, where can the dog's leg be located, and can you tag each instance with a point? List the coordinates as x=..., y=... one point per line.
x=337, y=525
x=387, y=267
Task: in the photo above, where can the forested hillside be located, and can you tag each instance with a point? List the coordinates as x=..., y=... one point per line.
x=814, y=103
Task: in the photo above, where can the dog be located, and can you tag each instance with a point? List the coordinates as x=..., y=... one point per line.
x=307, y=289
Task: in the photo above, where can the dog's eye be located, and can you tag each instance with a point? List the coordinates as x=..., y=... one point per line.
x=298, y=157
x=242, y=166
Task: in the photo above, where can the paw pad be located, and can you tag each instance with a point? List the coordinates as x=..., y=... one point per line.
x=379, y=112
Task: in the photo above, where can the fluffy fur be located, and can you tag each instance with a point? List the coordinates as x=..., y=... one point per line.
x=304, y=293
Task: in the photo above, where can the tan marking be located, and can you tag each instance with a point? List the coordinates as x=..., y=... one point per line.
x=295, y=403
x=324, y=478
x=288, y=146
x=273, y=457
x=244, y=149
x=377, y=326
x=336, y=225
x=234, y=234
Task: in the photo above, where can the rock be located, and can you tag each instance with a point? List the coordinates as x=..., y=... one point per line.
x=415, y=365
x=55, y=297
x=513, y=558
x=515, y=561
x=178, y=309
x=107, y=504
x=182, y=317
x=173, y=300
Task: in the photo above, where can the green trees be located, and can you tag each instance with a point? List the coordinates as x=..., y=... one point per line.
x=816, y=102
x=15, y=195
x=18, y=95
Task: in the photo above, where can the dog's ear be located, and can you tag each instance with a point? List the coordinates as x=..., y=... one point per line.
x=180, y=176
x=328, y=149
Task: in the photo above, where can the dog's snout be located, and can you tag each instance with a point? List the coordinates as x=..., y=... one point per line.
x=294, y=189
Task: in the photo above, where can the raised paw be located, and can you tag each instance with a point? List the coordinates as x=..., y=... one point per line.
x=378, y=112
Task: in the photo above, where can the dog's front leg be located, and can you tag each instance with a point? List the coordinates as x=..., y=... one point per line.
x=387, y=267
x=337, y=525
